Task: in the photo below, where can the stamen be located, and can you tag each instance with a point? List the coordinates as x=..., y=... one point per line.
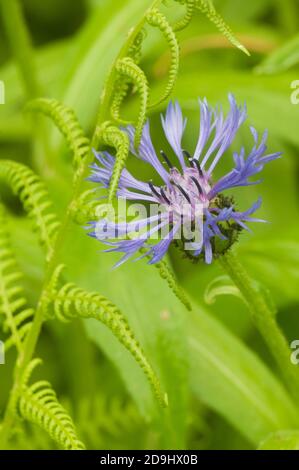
x=197, y=164
x=182, y=191
x=153, y=189
x=197, y=184
x=166, y=159
x=164, y=196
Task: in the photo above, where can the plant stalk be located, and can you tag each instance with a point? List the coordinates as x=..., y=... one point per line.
x=264, y=320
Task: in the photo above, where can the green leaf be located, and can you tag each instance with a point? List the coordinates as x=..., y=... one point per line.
x=276, y=263
x=232, y=380
x=281, y=59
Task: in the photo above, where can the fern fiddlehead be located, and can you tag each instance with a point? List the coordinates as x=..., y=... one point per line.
x=184, y=22
x=114, y=137
x=35, y=199
x=70, y=301
x=13, y=305
x=122, y=84
x=38, y=404
x=130, y=69
x=157, y=20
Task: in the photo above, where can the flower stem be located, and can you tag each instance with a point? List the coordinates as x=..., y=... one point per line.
x=263, y=319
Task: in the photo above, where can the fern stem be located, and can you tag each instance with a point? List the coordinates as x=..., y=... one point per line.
x=263, y=319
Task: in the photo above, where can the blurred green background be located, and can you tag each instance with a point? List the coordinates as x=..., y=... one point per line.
x=224, y=389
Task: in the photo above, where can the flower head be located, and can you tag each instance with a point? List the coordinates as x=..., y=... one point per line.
x=187, y=194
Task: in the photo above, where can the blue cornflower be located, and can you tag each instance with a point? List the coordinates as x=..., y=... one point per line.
x=185, y=183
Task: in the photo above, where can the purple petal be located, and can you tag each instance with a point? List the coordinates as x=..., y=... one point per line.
x=174, y=125
x=146, y=150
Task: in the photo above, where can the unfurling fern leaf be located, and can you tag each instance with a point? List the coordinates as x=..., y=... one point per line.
x=35, y=199
x=184, y=22
x=122, y=84
x=67, y=123
x=70, y=302
x=114, y=137
x=129, y=69
x=207, y=7
x=38, y=404
x=17, y=317
x=156, y=19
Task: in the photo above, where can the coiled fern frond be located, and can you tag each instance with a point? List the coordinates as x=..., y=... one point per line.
x=13, y=305
x=38, y=404
x=67, y=123
x=70, y=301
x=128, y=68
x=184, y=22
x=122, y=84
x=114, y=137
x=32, y=192
x=158, y=20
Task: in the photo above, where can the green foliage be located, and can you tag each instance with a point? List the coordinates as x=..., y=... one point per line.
x=70, y=302
x=221, y=285
x=113, y=136
x=122, y=84
x=157, y=20
x=104, y=421
x=184, y=22
x=281, y=59
x=13, y=305
x=166, y=273
x=67, y=123
x=224, y=390
x=38, y=404
x=207, y=7
x=130, y=69
x=32, y=192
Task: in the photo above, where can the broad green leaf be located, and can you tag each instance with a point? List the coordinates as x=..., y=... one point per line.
x=232, y=380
